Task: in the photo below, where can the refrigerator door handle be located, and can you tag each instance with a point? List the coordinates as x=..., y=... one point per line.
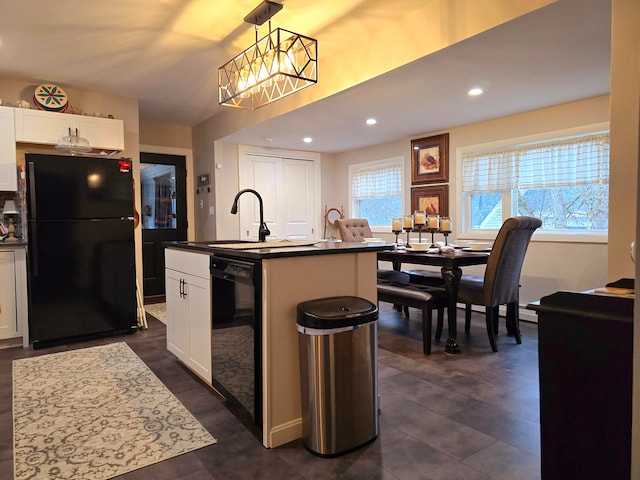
x=32, y=190
x=34, y=252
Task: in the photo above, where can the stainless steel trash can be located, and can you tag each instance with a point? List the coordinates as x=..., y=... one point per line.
x=338, y=341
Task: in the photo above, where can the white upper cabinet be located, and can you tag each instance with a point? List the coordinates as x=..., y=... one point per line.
x=8, y=172
x=38, y=126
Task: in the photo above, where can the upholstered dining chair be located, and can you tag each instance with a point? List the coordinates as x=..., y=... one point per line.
x=353, y=229
x=356, y=230
x=501, y=282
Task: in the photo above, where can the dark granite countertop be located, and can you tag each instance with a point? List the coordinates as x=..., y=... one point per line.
x=319, y=248
x=13, y=244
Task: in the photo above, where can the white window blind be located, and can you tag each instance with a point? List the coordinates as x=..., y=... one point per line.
x=580, y=160
x=377, y=181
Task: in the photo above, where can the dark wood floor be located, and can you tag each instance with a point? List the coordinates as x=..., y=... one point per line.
x=471, y=416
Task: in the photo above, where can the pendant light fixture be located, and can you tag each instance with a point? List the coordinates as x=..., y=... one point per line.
x=277, y=65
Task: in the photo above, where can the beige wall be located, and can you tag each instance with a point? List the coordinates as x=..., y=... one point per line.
x=166, y=134
x=549, y=266
x=623, y=201
x=173, y=139
x=367, y=54
x=126, y=109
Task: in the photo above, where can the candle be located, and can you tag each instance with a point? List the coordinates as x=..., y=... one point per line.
x=445, y=224
x=396, y=225
x=432, y=222
x=419, y=218
x=408, y=222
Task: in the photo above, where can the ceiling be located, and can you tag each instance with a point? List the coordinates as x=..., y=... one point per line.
x=166, y=53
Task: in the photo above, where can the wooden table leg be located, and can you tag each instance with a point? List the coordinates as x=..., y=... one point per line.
x=451, y=277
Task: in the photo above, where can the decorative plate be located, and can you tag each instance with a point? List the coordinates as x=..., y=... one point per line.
x=50, y=97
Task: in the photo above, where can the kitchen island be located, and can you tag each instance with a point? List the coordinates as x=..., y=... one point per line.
x=281, y=278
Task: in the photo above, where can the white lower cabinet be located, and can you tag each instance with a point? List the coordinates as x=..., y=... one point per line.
x=188, y=300
x=13, y=294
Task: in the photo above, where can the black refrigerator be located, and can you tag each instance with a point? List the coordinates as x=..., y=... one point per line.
x=81, y=253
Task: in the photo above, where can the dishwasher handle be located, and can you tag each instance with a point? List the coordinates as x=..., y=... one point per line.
x=231, y=269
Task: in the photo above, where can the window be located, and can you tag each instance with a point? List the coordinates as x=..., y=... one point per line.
x=563, y=181
x=376, y=191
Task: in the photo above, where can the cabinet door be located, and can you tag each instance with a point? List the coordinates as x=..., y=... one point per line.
x=8, y=172
x=198, y=291
x=8, y=313
x=104, y=133
x=37, y=126
x=177, y=318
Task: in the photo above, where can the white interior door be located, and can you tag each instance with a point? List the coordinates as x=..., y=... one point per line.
x=296, y=212
x=288, y=190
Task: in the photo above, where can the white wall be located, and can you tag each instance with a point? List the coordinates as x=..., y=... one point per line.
x=549, y=266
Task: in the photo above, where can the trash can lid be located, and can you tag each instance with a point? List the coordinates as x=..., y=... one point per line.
x=335, y=312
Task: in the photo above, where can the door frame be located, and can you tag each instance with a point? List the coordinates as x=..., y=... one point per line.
x=188, y=154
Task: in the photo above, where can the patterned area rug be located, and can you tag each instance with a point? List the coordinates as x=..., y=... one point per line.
x=95, y=413
x=158, y=310
x=233, y=364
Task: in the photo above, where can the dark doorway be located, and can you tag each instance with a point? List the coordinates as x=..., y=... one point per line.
x=163, y=216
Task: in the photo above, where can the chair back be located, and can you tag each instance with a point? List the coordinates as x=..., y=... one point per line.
x=502, y=274
x=353, y=229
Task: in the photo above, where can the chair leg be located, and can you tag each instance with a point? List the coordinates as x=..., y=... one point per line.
x=426, y=328
x=513, y=321
x=490, y=314
x=439, y=323
x=406, y=311
x=467, y=317
x=496, y=319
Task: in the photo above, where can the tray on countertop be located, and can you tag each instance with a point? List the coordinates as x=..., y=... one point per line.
x=252, y=245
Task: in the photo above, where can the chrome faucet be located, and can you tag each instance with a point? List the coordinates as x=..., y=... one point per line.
x=263, y=231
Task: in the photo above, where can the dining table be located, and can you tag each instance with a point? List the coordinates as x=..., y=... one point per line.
x=450, y=264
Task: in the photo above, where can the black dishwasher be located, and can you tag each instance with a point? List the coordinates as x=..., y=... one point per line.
x=236, y=346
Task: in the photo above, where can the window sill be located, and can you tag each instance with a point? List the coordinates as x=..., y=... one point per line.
x=560, y=237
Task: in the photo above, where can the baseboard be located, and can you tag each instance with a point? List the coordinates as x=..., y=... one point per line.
x=11, y=342
x=284, y=433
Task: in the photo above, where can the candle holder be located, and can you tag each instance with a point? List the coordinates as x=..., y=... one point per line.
x=396, y=227
x=445, y=228
x=419, y=220
x=433, y=225
x=407, y=222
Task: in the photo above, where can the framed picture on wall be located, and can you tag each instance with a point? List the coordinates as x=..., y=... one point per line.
x=432, y=200
x=430, y=160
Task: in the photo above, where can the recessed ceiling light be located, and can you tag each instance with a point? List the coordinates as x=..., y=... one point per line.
x=307, y=139
x=475, y=91
x=371, y=121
